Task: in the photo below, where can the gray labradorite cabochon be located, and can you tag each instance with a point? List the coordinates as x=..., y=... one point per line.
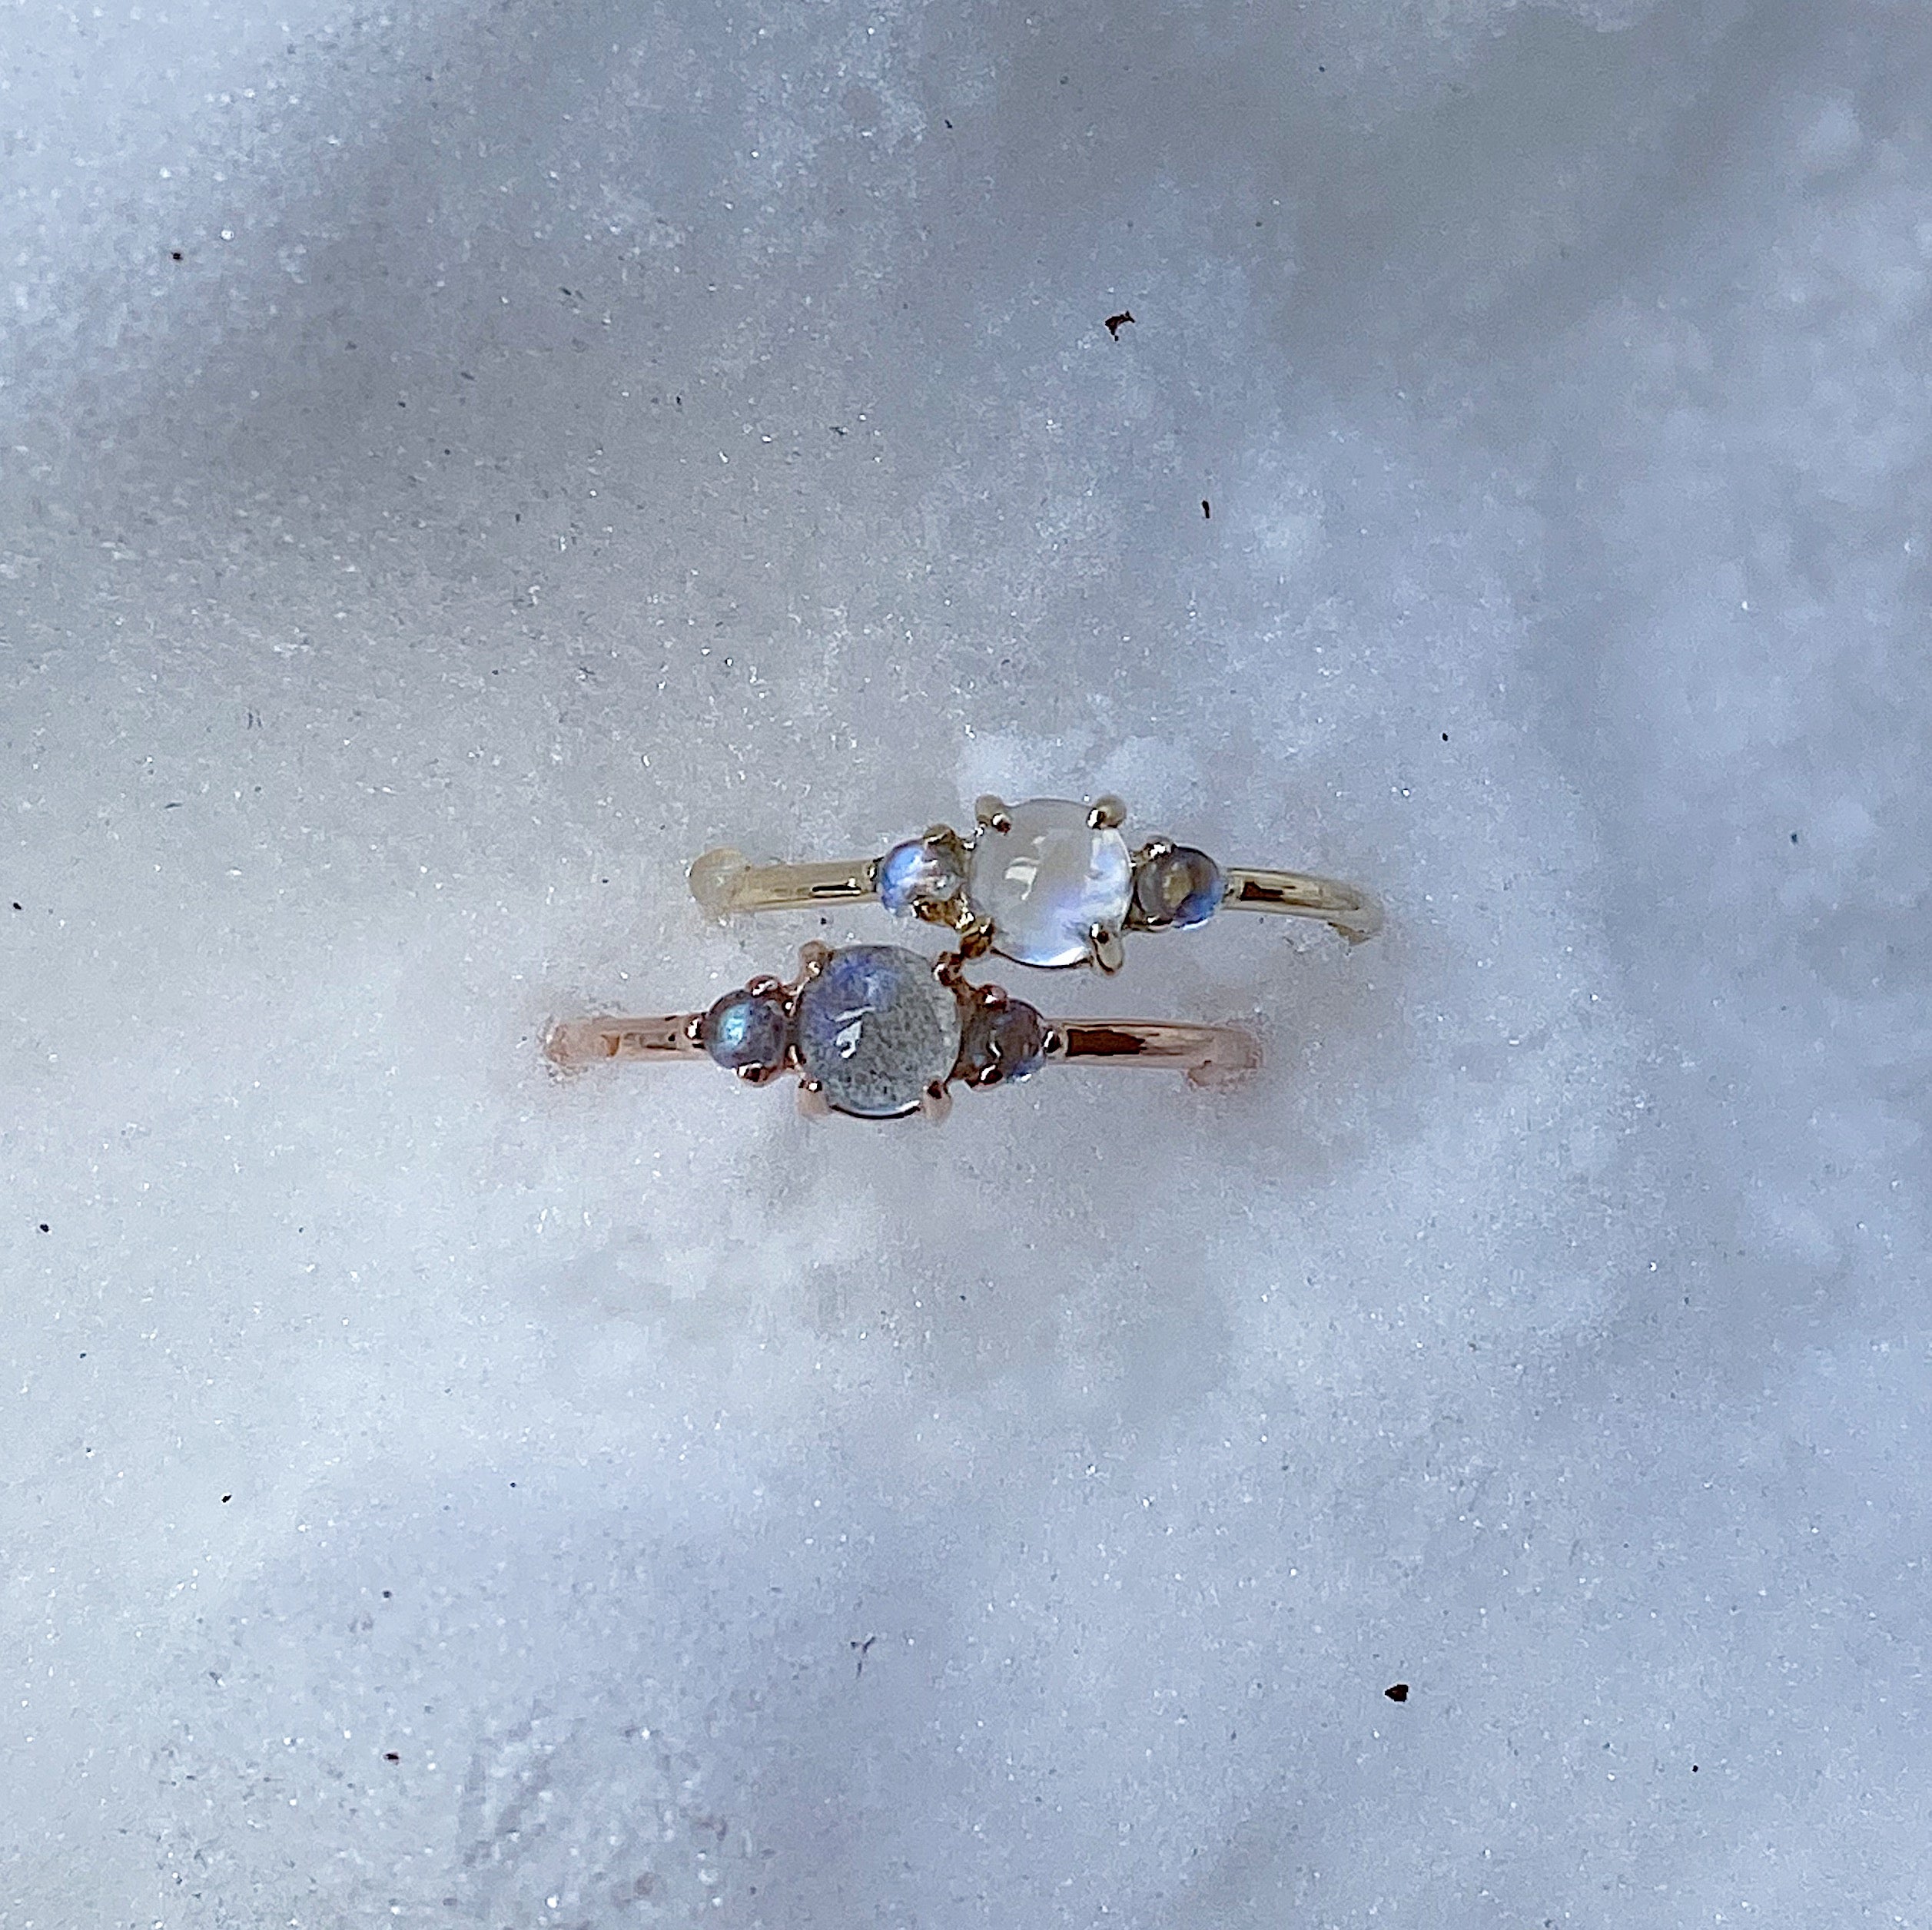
x=874, y=1029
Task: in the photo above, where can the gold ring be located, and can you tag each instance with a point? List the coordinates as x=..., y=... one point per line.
x=877, y=1032
x=1048, y=882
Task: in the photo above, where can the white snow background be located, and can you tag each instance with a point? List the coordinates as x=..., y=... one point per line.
x=457, y=463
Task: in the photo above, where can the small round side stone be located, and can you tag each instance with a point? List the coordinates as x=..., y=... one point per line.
x=1002, y=1044
x=1181, y=889
x=745, y=1032
x=918, y=873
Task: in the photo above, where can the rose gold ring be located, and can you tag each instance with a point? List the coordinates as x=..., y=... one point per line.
x=877, y=1032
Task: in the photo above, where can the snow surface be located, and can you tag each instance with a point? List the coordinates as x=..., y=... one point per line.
x=574, y=435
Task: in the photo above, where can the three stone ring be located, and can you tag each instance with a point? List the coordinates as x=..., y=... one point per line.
x=1047, y=882
x=878, y=1032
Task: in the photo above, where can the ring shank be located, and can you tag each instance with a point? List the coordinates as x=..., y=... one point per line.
x=725, y=882
x=1209, y=1055
x=1355, y=913
x=589, y=1041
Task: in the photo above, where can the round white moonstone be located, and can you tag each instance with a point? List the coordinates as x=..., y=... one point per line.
x=1048, y=881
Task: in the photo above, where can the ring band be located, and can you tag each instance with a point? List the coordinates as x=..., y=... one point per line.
x=1048, y=882
x=877, y=1032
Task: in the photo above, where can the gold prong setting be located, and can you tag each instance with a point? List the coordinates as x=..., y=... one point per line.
x=1049, y=883
x=748, y=1032
x=1041, y=875
x=1104, y=947
x=1003, y=1039
x=1175, y=887
x=864, y=1039
x=925, y=877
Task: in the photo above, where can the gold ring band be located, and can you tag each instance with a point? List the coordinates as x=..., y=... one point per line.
x=1047, y=882
x=727, y=884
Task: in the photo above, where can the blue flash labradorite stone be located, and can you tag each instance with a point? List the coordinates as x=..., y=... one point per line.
x=875, y=1029
x=746, y=1030
x=1184, y=888
x=916, y=873
x=1003, y=1044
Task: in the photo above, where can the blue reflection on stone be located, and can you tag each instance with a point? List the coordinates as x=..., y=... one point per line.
x=875, y=1029
x=916, y=873
x=1004, y=1044
x=746, y=1030
x=1183, y=888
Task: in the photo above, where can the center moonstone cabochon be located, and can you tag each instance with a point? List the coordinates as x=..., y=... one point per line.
x=1047, y=882
x=874, y=1029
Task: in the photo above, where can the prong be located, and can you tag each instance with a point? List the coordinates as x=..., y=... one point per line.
x=758, y=1075
x=1056, y=1045
x=975, y=936
x=812, y=1102
x=1105, y=949
x=993, y=998
x=992, y=814
x=1154, y=850
x=814, y=957
x=763, y=983
x=935, y=1101
x=1106, y=813
x=939, y=835
x=694, y=1028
